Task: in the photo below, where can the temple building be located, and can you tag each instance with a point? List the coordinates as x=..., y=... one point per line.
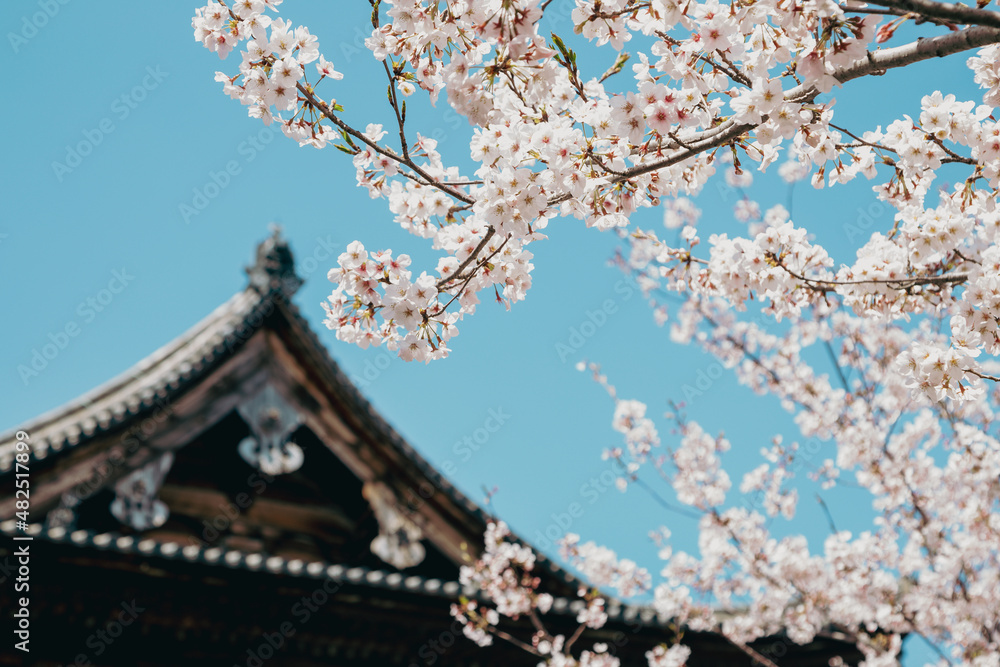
x=233, y=500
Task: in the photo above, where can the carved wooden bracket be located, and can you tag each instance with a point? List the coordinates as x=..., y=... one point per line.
x=63, y=515
x=398, y=541
x=272, y=421
x=135, y=502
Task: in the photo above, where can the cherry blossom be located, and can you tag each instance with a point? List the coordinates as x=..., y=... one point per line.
x=909, y=323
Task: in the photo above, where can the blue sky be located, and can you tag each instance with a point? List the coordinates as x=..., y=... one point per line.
x=127, y=81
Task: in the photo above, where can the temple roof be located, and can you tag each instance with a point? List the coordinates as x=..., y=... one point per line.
x=254, y=344
x=139, y=476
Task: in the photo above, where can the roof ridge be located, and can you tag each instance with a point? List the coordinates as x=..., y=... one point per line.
x=134, y=389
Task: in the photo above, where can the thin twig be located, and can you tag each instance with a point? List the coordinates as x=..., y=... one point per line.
x=472, y=274
x=750, y=652
x=895, y=283
x=836, y=365
x=880, y=61
x=325, y=109
x=394, y=103
x=468, y=260
x=984, y=376
x=950, y=12
x=829, y=516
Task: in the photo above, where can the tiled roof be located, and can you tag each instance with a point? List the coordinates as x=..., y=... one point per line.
x=262, y=562
x=187, y=359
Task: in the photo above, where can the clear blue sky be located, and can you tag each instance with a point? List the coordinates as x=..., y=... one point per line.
x=128, y=80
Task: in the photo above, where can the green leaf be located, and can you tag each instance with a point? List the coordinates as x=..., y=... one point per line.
x=557, y=41
x=348, y=139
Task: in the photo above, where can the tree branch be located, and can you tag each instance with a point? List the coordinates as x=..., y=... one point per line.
x=949, y=12
x=878, y=62
x=757, y=656
x=394, y=102
x=907, y=54
x=325, y=109
x=468, y=260
x=889, y=11
x=894, y=283
x=983, y=376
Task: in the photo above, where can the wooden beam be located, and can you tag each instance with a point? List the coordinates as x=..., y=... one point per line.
x=260, y=511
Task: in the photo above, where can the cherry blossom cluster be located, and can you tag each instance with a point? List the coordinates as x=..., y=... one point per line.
x=770, y=477
x=915, y=269
x=639, y=431
x=603, y=568
x=915, y=445
x=926, y=523
x=675, y=656
x=551, y=142
x=504, y=574
x=986, y=66
x=377, y=298
x=909, y=325
x=940, y=373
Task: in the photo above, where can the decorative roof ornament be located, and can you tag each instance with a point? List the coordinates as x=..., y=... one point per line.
x=135, y=502
x=398, y=541
x=274, y=270
x=272, y=421
x=64, y=515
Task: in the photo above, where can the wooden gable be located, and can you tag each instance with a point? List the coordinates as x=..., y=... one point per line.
x=195, y=401
x=236, y=472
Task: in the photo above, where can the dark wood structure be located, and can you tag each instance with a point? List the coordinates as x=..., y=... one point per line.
x=233, y=500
